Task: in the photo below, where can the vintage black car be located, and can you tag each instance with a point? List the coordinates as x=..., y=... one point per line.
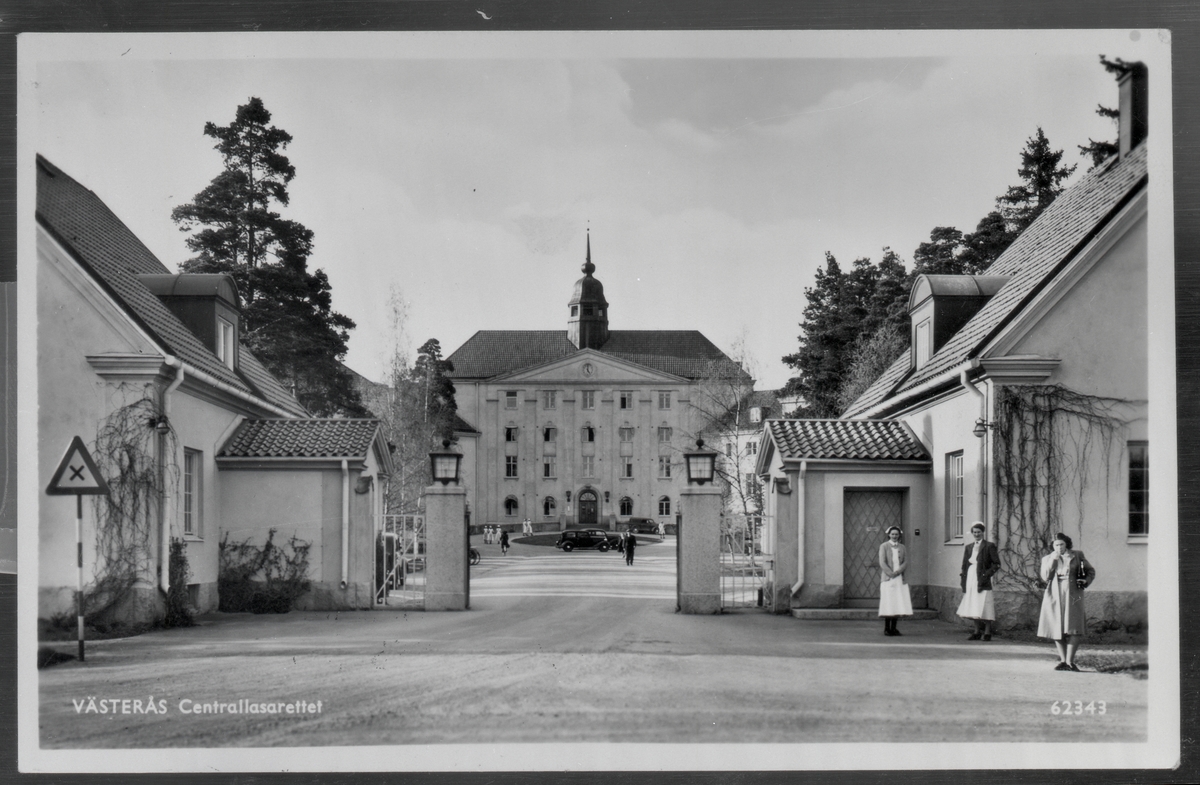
x=639, y=526
x=584, y=538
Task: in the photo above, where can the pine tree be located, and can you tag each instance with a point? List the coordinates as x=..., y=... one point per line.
x=287, y=318
x=1042, y=179
x=1100, y=152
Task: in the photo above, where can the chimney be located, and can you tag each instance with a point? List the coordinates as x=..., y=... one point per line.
x=1134, y=86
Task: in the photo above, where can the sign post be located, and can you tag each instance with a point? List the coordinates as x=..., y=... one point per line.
x=77, y=475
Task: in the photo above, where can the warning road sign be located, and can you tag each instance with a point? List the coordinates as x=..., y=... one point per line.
x=77, y=473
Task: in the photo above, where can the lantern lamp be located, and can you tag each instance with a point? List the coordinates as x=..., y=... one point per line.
x=701, y=464
x=445, y=463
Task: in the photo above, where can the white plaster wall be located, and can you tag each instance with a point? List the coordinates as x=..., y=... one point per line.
x=291, y=501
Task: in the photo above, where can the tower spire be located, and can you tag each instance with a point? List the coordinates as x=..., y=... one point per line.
x=588, y=267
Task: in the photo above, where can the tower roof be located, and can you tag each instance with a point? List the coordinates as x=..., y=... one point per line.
x=587, y=289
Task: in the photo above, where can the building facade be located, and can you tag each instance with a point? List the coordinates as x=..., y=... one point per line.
x=585, y=426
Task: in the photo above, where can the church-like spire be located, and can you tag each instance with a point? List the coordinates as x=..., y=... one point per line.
x=587, y=325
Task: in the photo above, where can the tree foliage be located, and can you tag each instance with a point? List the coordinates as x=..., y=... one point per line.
x=417, y=408
x=720, y=404
x=287, y=316
x=1101, y=151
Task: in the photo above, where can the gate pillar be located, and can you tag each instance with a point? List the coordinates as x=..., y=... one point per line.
x=446, y=544
x=698, y=539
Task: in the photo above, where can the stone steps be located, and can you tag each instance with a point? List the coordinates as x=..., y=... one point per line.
x=856, y=614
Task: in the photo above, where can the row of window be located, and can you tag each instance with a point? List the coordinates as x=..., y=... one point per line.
x=550, y=506
x=587, y=433
x=587, y=466
x=587, y=399
x=751, y=448
x=1139, y=491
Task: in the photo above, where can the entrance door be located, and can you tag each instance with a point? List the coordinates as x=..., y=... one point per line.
x=587, y=508
x=866, y=516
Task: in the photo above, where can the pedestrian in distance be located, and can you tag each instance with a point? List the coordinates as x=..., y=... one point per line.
x=504, y=542
x=621, y=543
x=630, y=544
x=981, y=560
x=527, y=526
x=487, y=535
x=1066, y=573
x=894, y=599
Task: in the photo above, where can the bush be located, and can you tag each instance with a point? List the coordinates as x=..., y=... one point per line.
x=266, y=579
x=179, y=607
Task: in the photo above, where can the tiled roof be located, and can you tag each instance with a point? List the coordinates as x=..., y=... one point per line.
x=685, y=353
x=266, y=385
x=1034, y=258
x=300, y=438
x=113, y=254
x=856, y=440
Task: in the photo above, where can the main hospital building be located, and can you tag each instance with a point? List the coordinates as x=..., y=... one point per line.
x=580, y=426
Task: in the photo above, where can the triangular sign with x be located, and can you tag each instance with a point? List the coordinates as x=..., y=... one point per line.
x=77, y=473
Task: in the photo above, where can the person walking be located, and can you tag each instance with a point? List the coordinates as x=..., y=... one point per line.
x=1063, y=620
x=527, y=526
x=894, y=599
x=981, y=560
x=504, y=542
x=630, y=544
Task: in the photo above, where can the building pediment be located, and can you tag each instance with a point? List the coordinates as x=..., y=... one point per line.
x=589, y=366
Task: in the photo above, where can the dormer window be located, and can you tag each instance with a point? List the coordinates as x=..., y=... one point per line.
x=923, y=343
x=941, y=305
x=756, y=414
x=225, y=342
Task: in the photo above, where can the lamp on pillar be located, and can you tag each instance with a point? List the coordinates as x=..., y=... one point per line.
x=445, y=464
x=701, y=464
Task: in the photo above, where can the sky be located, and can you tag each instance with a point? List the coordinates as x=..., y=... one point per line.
x=461, y=173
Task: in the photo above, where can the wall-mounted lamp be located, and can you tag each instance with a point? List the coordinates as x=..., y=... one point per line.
x=568, y=497
x=606, y=497
x=981, y=427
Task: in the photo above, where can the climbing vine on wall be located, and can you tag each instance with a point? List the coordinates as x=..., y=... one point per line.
x=266, y=578
x=126, y=453
x=1046, y=438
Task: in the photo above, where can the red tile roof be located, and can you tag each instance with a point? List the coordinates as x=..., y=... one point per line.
x=1033, y=260
x=113, y=254
x=685, y=353
x=301, y=438
x=854, y=440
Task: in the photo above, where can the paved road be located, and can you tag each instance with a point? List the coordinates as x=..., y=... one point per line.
x=577, y=647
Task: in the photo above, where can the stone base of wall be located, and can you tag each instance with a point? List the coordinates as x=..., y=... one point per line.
x=206, y=597
x=1127, y=610
x=819, y=595
x=329, y=596
x=144, y=605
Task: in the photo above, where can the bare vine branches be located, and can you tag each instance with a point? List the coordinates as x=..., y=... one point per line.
x=1046, y=439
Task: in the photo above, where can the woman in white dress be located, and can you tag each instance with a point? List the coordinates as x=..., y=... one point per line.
x=894, y=600
x=981, y=560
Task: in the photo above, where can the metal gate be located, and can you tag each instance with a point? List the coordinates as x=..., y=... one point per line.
x=400, y=559
x=867, y=515
x=744, y=564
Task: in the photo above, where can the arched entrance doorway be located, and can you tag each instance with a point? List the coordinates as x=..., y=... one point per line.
x=588, y=508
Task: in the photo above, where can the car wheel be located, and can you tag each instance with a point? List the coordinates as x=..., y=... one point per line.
x=568, y=547
x=602, y=547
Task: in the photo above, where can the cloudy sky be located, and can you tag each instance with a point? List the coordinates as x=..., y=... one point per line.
x=714, y=170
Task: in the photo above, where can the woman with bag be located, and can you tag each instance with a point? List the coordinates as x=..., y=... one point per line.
x=894, y=600
x=1066, y=573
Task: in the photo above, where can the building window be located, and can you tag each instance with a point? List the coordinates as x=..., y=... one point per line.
x=510, y=399
x=549, y=507
x=588, y=466
x=549, y=433
x=756, y=414
x=664, y=466
x=626, y=506
x=749, y=482
x=587, y=310
x=192, y=476
x=574, y=310
x=549, y=399
x=548, y=466
x=752, y=448
x=954, y=495
x=510, y=506
x=588, y=434
x=589, y=399
x=728, y=449
x=510, y=434
x=627, y=467
x=664, y=399
x=626, y=399
x=1139, y=488
x=225, y=335
x=664, y=434
x=924, y=343
x=664, y=506
x=626, y=434
x=510, y=466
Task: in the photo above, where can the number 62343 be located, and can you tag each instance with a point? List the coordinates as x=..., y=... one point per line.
x=1075, y=708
